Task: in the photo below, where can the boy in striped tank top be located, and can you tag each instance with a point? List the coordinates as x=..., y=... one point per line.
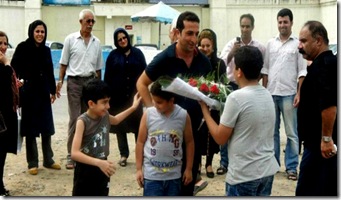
x=163, y=129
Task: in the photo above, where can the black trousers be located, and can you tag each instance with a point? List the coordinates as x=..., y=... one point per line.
x=32, y=151
x=3, y=155
x=122, y=142
x=89, y=180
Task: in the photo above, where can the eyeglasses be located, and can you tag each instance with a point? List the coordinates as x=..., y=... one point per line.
x=121, y=39
x=90, y=20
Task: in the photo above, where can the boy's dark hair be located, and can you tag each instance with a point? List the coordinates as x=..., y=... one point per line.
x=250, y=60
x=94, y=90
x=186, y=16
x=285, y=12
x=156, y=89
x=250, y=17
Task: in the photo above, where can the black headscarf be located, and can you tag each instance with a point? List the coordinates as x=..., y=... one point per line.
x=125, y=49
x=31, y=28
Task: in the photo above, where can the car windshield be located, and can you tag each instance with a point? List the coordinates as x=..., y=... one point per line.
x=333, y=47
x=146, y=46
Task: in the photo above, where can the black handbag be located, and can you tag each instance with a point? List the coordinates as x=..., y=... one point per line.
x=3, y=126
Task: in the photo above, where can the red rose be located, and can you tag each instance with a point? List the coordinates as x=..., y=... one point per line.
x=193, y=82
x=214, y=89
x=204, y=88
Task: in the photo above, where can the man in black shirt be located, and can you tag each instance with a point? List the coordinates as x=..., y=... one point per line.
x=182, y=57
x=317, y=114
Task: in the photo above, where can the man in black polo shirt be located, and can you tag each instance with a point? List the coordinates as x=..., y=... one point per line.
x=317, y=114
x=182, y=57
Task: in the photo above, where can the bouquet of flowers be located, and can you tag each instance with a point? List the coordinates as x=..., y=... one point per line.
x=213, y=94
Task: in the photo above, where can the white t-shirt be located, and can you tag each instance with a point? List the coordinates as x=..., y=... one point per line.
x=250, y=111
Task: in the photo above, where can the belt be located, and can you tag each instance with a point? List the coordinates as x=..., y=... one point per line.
x=82, y=77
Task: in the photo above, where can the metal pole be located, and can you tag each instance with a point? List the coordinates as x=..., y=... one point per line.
x=159, y=33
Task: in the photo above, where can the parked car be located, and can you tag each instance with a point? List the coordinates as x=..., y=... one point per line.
x=107, y=48
x=54, y=45
x=10, y=46
x=333, y=47
x=146, y=46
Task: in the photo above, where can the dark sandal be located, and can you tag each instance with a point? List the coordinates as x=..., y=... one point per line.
x=221, y=170
x=292, y=176
x=123, y=162
x=198, y=188
x=70, y=164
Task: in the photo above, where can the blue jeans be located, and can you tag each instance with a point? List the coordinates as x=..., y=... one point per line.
x=318, y=176
x=224, y=160
x=162, y=188
x=258, y=187
x=284, y=105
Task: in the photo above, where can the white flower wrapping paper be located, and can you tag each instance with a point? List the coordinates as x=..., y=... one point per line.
x=180, y=87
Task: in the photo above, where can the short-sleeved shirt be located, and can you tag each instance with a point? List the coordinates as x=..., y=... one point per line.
x=227, y=49
x=284, y=65
x=250, y=111
x=81, y=60
x=166, y=63
x=318, y=92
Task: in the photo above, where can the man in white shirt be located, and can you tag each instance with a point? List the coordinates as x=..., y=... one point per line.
x=247, y=24
x=81, y=60
x=283, y=73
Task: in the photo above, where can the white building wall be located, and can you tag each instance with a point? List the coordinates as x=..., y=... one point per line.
x=13, y=21
x=225, y=17
x=330, y=19
x=222, y=16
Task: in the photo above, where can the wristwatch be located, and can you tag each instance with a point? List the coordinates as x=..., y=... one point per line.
x=326, y=138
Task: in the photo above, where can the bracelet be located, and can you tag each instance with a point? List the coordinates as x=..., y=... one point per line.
x=60, y=82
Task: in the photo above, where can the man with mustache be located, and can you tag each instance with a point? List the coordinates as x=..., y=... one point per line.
x=283, y=73
x=317, y=114
x=81, y=60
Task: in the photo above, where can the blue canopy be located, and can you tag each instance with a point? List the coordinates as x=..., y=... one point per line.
x=160, y=12
x=157, y=13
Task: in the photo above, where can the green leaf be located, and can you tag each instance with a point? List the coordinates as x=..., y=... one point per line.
x=165, y=81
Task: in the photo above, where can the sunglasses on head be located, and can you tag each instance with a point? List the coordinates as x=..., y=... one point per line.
x=90, y=20
x=122, y=38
